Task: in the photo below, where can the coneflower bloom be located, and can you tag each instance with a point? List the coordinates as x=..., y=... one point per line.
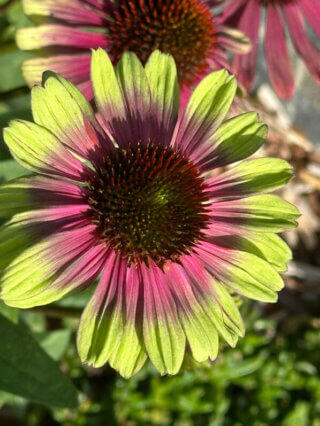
x=293, y=14
x=187, y=29
x=136, y=206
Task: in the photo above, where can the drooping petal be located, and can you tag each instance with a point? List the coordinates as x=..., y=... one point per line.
x=131, y=354
x=308, y=51
x=243, y=272
x=47, y=35
x=269, y=247
x=164, y=337
x=75, y=68
x=200, y=331
x=61, y=107
x=162, y=76
x=244, y=65
x=29, y=193
x=279, y=64
x=73, y=12
x=250, y=177
x=110, y=329
x=205, y=111
x=236, y=139
x=311, y=10
x=39, y=150
x=214, y=300
x=261, y=213
x=232, y=12
x=26, y=280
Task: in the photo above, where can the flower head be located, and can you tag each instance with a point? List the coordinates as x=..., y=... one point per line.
x=133, y=204
x=187, y=29
x=246, y=16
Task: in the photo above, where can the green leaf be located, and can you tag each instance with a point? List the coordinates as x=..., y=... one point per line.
x=10, y=169
x=7, y=311
x=26, y=370
x=10, y=70
x=55, y=342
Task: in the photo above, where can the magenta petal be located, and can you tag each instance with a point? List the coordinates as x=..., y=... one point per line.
x=244, y=65
x=218, y=60
x=231, y=13
x=105, y=5
x=311, y=10
x=75, y=68
x=59, y=35
x=86, y=88
x=278, y=60
x=64, y=248
x=73, y=12
x=84, y=272
x=305, y=48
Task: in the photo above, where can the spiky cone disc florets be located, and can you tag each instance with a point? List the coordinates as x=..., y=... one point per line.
x=187, y=29
x=183, y=28
x=148, y=203
x=133, y=204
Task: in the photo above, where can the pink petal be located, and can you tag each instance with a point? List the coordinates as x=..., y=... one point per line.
x=244, y=65
x=84, y=272
x=73, y=12
x=232, y=12
x=279, y=65
x=31, y=38
x=86, y=88
x=305, y=48
x=75, y=68
x=311, y=10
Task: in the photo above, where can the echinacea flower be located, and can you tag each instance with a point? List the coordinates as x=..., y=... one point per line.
x=293, y=14
x=135, y=205
x=187, y=29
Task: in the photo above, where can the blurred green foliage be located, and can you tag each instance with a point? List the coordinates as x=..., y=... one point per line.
x=270, y=378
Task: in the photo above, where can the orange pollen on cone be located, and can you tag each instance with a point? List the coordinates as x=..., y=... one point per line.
x=183, y=28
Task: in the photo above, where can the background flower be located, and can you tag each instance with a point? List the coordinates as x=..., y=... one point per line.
x=187, y=29
x=246, y=16
x=171, y=244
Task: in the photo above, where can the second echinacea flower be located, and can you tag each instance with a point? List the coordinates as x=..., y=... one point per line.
x=134, y=204
x=186, y=29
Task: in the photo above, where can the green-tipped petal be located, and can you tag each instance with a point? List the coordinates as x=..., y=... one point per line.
x=162, y=76
x=224, y=313
x=204, y=113
x=238, y=138
x=269, y=247
x=130, y=355
x=107, y=91
x=250, y=177
x=269, y=213
x=38, y=275
x=259, y=213
x=39, y=150
x=15, y=197
x=212, y=98
x=253, y=277
x=164, y=337
x=60, y=107
x=100, y=335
